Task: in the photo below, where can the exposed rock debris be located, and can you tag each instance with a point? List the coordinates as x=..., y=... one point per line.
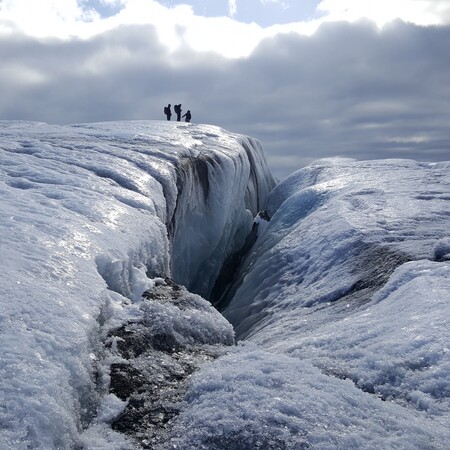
x=177, y=334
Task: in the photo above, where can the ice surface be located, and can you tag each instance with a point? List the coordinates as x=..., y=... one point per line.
x=339, y=228
x=343, y=301
x=349, y=282
x=91, y=214
x=255, y=399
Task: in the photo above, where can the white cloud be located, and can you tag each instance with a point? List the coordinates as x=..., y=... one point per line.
x=232, y=7
x=280, y=2
x=112, y=2
x=419, y=12
x=179, y=26
x=176, y=26
x=41, y=17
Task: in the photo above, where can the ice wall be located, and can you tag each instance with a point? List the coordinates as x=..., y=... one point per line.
x=219, y=194
x=91, y=214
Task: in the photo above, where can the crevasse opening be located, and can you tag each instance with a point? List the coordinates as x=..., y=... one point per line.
x=213, y=222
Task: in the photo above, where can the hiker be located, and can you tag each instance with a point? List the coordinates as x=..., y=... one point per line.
x=188, y=116
x=167, y=111
x=177, y=109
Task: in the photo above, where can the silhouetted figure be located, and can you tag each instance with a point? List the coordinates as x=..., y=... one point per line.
x=188, y=116
x=167, y=111
x=177, y=109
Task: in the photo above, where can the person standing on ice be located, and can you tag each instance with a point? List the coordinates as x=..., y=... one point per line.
x=167, y=111
x=177, y=109
x=188, y=116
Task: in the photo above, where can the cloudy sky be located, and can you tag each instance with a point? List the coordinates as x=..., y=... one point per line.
x=309, y=78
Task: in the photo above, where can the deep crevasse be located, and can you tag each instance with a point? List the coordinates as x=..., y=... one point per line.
x=219, y=194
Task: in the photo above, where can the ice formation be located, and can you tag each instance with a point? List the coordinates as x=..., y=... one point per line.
x=342, y=307
x=91, y=215
x=340, y=302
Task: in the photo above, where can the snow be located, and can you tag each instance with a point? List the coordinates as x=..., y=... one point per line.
x=92, y=215
x=342, y=305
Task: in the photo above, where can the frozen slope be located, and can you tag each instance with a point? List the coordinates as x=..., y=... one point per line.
x=346, y=294
x=338, y=230
x=91, y=214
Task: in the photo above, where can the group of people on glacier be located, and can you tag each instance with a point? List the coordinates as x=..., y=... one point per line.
x=177, y=109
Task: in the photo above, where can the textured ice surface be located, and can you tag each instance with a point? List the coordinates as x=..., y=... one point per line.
x=89, y=215
x=350, y=282
x=257, y=399
x=343, y=299
x=344, y=304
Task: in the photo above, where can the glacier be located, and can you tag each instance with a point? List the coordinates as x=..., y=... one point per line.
x=335, y=283
x=93, y=216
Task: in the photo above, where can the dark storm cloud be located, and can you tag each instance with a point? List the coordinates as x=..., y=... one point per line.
x=352, y=90
x=348, y=90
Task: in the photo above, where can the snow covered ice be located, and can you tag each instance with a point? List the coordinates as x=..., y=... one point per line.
x=351, y=279
x=91, y=215
x=344, y=305
x=341, y=306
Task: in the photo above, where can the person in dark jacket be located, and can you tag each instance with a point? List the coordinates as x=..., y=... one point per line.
x=188, y=116
x=177, y=109
x=167, y=111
